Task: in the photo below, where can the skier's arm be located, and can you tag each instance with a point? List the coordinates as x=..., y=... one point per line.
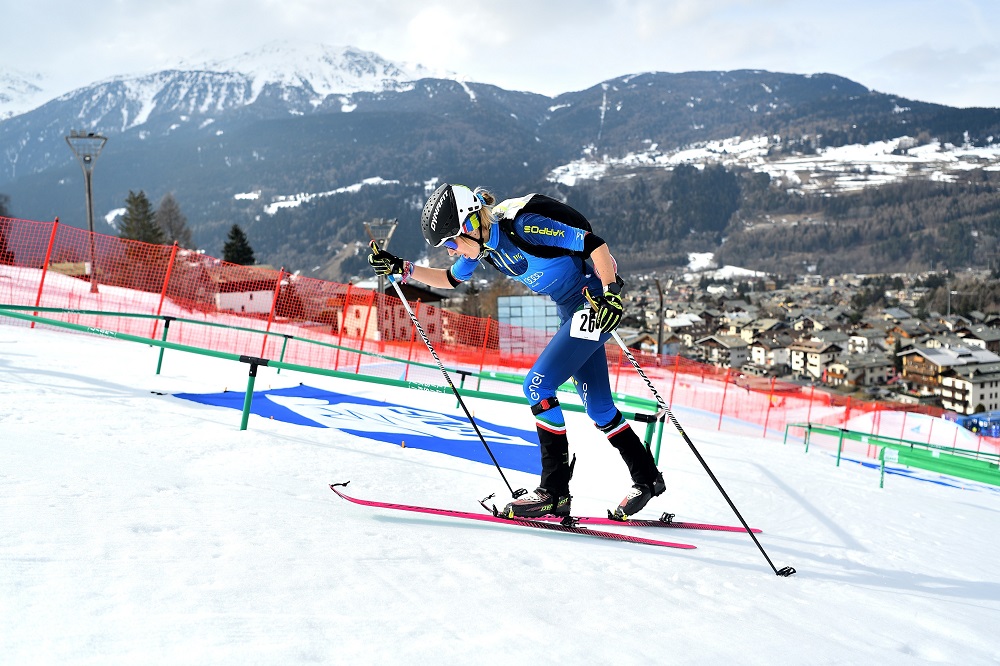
x=433, y=277
x=604, y=264
x=608, y=307
x=386, y=263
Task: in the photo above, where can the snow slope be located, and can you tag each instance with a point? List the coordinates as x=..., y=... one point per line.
x=142, y=528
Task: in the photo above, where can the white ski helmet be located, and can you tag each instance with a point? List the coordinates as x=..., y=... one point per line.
x=445, y=211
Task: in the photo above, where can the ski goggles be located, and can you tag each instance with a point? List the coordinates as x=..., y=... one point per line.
x=470, y=224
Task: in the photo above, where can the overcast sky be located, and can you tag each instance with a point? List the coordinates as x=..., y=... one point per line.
x=944, y=51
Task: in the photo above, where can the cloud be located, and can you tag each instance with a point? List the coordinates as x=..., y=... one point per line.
x=440, y=38
x=939, y=50
x=944, y=75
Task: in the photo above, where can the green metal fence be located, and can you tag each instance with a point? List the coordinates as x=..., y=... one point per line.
x=654, y=427
x=962, y=463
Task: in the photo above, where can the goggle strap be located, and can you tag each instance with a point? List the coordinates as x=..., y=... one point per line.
x=471, y=223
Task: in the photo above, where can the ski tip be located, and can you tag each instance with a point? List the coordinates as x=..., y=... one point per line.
x=336, y=485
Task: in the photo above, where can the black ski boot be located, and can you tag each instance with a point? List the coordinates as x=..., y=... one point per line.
x=552, y=497
x=647, y=480
x=638, y=497
x=537, y=504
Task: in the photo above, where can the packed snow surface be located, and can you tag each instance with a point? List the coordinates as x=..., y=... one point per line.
x=142, y=528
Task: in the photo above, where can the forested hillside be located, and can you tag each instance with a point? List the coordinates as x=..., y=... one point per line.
x=301, y=174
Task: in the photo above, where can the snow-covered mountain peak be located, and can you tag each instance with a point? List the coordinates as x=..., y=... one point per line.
x=298, y=76
x=325, y=68
x=19, y=92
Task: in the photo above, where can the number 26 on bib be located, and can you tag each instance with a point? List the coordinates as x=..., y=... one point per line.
x=584, y=325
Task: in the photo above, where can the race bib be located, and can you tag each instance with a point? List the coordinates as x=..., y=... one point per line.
x=584, y=325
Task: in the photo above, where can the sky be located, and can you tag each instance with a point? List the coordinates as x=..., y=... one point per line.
x=943, y=51
x=140, y=527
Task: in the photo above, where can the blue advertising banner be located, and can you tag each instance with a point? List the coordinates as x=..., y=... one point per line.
x=388, y=422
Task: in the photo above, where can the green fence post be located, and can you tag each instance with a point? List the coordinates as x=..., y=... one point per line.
x=284, y=345
x=659, y=438
x=881, y=482
x=166, y=327
x=461, y=384
x=651, y=428
x=840, y=446
x=808, y=434
x=248, y=400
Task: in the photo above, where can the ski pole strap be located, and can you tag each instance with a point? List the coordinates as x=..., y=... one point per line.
x=545, y=405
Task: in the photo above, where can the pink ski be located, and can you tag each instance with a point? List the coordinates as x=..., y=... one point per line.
x=523, y=522
x=662, y=522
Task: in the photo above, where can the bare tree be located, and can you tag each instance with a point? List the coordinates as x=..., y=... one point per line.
x=170, y=218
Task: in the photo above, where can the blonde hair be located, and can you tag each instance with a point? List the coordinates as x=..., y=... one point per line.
x=486, y=216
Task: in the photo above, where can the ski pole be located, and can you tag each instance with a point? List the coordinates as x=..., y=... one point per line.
x=784, y=571
x=423, y=336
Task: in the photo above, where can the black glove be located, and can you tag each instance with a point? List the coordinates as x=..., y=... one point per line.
x=609, y=306
x=385, y=263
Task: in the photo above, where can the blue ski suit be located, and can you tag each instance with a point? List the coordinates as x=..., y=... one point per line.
x=549, y=256
x=561, y=277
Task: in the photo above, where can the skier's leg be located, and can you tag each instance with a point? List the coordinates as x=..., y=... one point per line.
x=554, y=365
x=594, y=387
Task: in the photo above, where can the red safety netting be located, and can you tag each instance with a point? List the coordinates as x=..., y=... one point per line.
x=45, y=264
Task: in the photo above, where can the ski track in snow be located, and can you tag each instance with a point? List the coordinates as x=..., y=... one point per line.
x=140, y=528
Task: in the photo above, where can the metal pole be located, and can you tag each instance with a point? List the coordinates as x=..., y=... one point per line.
x=677, y=369
x=770, y=401
x=343, y=325
x=420, y=329
x=380, y=231
x=664, y=409
x=274, y=306
x=725, y=389
x=88, y=181
x=45, y=266
x=166, y=282
x=87, y=147
x=482, y=357
x=659, y=316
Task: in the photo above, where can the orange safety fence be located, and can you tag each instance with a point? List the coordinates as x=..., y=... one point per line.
x=49, y=265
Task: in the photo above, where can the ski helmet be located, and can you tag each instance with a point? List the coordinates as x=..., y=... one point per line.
x=445, y=211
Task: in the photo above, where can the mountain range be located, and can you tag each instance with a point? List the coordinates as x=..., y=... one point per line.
x=301, y=144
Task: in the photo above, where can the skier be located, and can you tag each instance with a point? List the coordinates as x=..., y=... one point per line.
x=545, y=245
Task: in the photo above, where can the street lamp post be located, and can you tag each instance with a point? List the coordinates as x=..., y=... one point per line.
x=87, y=146
x=659, y=316
x=380, y=231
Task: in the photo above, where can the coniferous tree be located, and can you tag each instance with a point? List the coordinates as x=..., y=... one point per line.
x=237, y=249
x=139, y=223
x=173, y=222
x=6, y=254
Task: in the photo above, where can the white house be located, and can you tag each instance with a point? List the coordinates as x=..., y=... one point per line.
x=770, y=351
x=860, y=370
x=810, y=358
x=972, y=388
x=724, y=350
